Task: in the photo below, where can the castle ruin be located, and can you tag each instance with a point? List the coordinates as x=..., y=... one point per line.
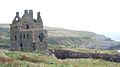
x=27, y=33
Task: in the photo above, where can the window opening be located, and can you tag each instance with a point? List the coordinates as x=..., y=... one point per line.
x=15, y=38
x=20, y=36
x=27, y=27
x=34, y=46
x=27, y=36
x=24, y=36
x=16, y=19
x=21, y=45
x=41, y=36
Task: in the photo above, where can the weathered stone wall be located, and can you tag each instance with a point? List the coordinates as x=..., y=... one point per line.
x=26, y=40
x=14, y=42
x=23, y=40
x=41, y=44
x=27, y=33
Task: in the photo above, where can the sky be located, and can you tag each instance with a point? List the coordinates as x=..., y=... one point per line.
x=99, y=16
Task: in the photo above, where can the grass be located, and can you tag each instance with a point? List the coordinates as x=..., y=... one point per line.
x=36, y=59
x=83, y=50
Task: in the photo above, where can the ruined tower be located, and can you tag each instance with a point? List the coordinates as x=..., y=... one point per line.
x=27, y=33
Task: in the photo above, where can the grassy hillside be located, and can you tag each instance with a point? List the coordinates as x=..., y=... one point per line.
x=4, y=37
x=38, y=59
x=69, y=38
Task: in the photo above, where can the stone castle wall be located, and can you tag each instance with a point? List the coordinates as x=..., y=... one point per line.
x=27, y=33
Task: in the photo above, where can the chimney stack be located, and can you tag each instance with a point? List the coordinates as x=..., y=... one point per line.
x=31, y=13
x=17, y=14
x=25, y=11
x=38, y=16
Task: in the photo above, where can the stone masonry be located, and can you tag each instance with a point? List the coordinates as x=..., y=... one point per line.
x=27, y=33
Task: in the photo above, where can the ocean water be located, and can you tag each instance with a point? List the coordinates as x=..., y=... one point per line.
x=113, y=35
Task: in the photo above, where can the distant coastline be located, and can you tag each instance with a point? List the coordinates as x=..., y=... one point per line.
x=113, y=35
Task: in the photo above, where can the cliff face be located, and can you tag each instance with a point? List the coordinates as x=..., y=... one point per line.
x=69, y=38
x=83, y=39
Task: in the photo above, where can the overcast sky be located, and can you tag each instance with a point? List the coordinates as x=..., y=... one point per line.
x=90, y=15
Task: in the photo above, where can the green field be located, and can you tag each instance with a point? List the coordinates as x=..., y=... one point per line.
x=39, y=59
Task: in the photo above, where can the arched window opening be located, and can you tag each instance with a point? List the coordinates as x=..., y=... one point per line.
x=21, y=45
x=15, y=38
x=34, y=48
x=16, y=19
x=41, y=36
x=24, y=36
x=27, y=36
x=20, y=36
x=27, y=27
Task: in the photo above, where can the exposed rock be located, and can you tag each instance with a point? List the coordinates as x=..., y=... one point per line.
x=66, y=54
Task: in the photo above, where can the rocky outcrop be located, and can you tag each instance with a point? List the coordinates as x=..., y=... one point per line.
x=67, y=54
